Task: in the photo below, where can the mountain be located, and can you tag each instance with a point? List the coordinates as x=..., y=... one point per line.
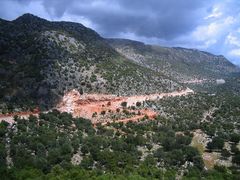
x=41, y=60
x=179, y=63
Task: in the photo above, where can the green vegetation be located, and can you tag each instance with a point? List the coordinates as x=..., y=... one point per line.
x=216, y=143
x=179, y=63
x=45, y=147
x=41, y=60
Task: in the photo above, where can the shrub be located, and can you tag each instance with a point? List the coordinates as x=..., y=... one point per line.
x=217, y=143
x=138, y=104
x=103, y=112
x=124, y=104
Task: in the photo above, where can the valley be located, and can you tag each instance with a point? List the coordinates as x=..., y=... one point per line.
x=76, y=105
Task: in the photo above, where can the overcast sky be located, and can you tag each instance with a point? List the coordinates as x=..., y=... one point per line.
x=210, y=25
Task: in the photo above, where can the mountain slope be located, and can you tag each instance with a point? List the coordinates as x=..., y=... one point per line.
x=41, y=60
x=180, y=63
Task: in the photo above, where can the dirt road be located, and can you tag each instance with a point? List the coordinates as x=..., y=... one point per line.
x=93, y=106
x=10, y=116
x=97, y=107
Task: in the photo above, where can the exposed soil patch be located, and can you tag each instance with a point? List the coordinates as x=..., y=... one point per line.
x=9, y=117
x=103, y=108
x=99, y=107
x=210, y=159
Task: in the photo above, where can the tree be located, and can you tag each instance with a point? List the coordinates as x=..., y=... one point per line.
x=94, y=114
x=29, y=173
x=217, y=143
x=41, y=163
x=54, y=156
x=183, y=140
x=150, y=161
x=40, y=150
x=225, y=153
x=3, y=128
x=198, y=162
x=32, y=118
x=138, y=104
x=66, y=148
x=236, y=159
x=124, y=104
x=103, y=113
x=3, y=155
x=149, y=146
x=84, y=149
x=235, y=149
x=235, y=138
x=190, y=152
x=168, y=143
x=159, y=153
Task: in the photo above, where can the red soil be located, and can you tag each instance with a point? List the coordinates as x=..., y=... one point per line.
x=9, y=117
x=97, y=107
x=146, y=112
x=88, y=104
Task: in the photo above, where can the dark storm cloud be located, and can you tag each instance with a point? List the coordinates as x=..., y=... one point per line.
x=164, y=19
x=210, y=25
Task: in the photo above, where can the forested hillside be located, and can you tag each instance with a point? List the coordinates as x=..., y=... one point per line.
x=41, y=60
x=55, y=145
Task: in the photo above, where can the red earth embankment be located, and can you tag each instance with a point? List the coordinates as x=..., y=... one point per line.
x=103, y=108
x=97, y=106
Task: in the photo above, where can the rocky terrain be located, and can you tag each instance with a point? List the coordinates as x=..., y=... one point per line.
x=184, y=65
x=41, y=60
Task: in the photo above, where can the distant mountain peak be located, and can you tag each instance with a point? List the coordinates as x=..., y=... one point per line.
x=27, y=17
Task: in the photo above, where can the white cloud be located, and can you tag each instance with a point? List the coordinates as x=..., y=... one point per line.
x=213, y=29
x=232, y=40
x=205, y=32
x=79, y=19
x=209, y=34
x=234, y=52
x=215, y=13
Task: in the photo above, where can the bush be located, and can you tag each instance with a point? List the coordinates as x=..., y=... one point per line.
x=138, y=104
x=225, y=153
x=235, y=138
x=217, y=143
x=103, y=112
x=124, y=104
x=236, y=159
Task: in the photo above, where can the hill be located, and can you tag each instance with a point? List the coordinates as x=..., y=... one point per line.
x=184, y=65
x=116, y=109
x=41, y=60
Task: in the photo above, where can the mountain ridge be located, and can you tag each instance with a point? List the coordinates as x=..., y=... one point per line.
x=130, y=41
x=41, y=60
x=175, y=59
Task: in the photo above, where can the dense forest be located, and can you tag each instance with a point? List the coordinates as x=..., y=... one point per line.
x=57, y=146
